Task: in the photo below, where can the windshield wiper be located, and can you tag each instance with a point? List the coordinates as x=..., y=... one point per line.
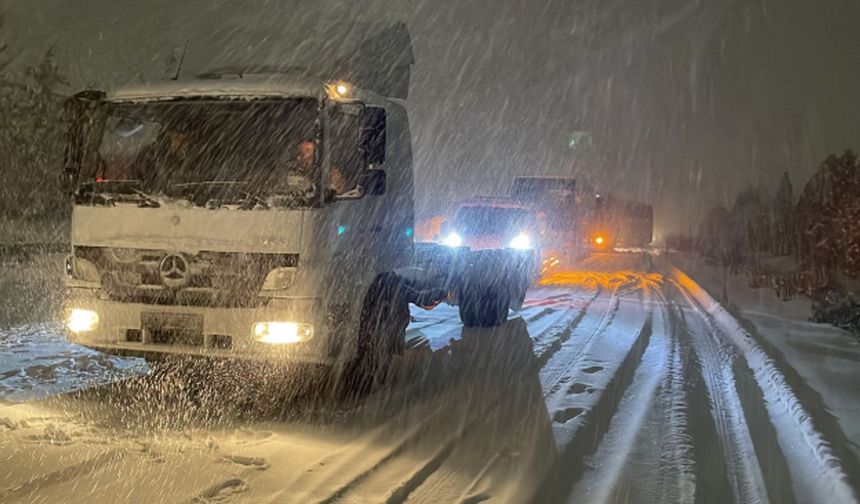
x=110, y=192
x=215, y=193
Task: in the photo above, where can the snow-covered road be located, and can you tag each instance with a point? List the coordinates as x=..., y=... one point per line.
x=619, y=381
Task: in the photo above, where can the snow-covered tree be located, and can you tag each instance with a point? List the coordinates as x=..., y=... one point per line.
x=31, y=145
x=750, y=214
x=783, y=221
x=719, y=238
x=828, y=217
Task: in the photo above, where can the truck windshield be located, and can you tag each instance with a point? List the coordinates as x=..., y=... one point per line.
x=473, y=221
x=210, y=150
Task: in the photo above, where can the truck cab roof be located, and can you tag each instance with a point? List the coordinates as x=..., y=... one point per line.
x=493, y=202
x=248, y=86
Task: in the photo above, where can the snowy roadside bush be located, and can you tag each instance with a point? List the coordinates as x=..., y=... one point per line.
x=32, y=289
x=32, y=203
x=837, y=308
x=816, y=240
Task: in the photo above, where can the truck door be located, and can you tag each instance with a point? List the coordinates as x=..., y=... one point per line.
x=365, y=224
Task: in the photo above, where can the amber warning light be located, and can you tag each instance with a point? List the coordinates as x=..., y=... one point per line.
x=599, y=240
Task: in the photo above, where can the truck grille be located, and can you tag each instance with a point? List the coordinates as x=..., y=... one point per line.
x=159, y=277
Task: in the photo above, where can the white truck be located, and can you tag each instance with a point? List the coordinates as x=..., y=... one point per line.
x=498, y=223
x=256, y=216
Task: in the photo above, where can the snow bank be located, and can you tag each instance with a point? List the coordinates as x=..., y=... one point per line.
x=826, y=359
x=817, y=473
x=37, y=361
x=738, y=292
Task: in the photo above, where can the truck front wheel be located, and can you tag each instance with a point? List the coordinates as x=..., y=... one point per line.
x=381, y=334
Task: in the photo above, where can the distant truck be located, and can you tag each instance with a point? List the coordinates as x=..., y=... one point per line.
x=264, y=217
x=576, y=222
x=555, y=202
x=500, y=224
x=615, y=222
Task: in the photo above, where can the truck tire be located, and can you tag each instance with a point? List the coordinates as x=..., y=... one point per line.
x=483, y=303
x=381, y=334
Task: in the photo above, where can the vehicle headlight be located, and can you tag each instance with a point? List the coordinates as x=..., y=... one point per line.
x=79, y=321
x=521, y=242
x=453, y=240
x=279, y=279
x=282, y=333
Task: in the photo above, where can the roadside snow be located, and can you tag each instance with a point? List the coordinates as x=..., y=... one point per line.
x=818, y=473
x=826, y=358
x=37, y=361
x=474, y=428
x=734, y=292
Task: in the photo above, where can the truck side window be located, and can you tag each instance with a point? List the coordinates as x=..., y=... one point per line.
x=346, y=160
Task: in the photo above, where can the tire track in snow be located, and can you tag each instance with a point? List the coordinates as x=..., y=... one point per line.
x=551, y=376
x=743, y=469
x=677, y=465
x=425, y=449
x=645, y=455
x=815, y=472
x=550, y=340
x=709, y=470
x=823, y=420
x=352, y=464
x=677, y=462
x=63, y=475
x=412, y=476
x=527, y=442
x=580, y=429
x=547, y=338
x=440, y=330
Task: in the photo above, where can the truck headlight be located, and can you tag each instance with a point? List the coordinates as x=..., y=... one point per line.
x=521, y=242
x=79, y=321
x=279, y=279
x=282, y=333
x=453, y=240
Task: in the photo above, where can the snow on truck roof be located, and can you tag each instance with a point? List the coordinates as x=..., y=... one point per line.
x=544, y=177
x=247, y=86
x=494, y=202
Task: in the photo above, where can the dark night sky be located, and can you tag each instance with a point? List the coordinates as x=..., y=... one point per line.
x=687, y=102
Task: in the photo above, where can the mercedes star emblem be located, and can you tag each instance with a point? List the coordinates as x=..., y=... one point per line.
x=173, y=271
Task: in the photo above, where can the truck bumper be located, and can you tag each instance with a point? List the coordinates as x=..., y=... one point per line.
x=145, y=329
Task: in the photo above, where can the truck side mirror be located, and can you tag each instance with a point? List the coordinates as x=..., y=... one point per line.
x=372, y=182
x=373, y=141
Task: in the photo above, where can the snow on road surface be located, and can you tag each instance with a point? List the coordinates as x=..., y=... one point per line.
x=615, y=383
x=37, y=361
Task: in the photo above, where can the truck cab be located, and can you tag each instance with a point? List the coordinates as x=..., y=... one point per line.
x=493, y=223
x=234, y=216
x=502, y=225
x=259, y=217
